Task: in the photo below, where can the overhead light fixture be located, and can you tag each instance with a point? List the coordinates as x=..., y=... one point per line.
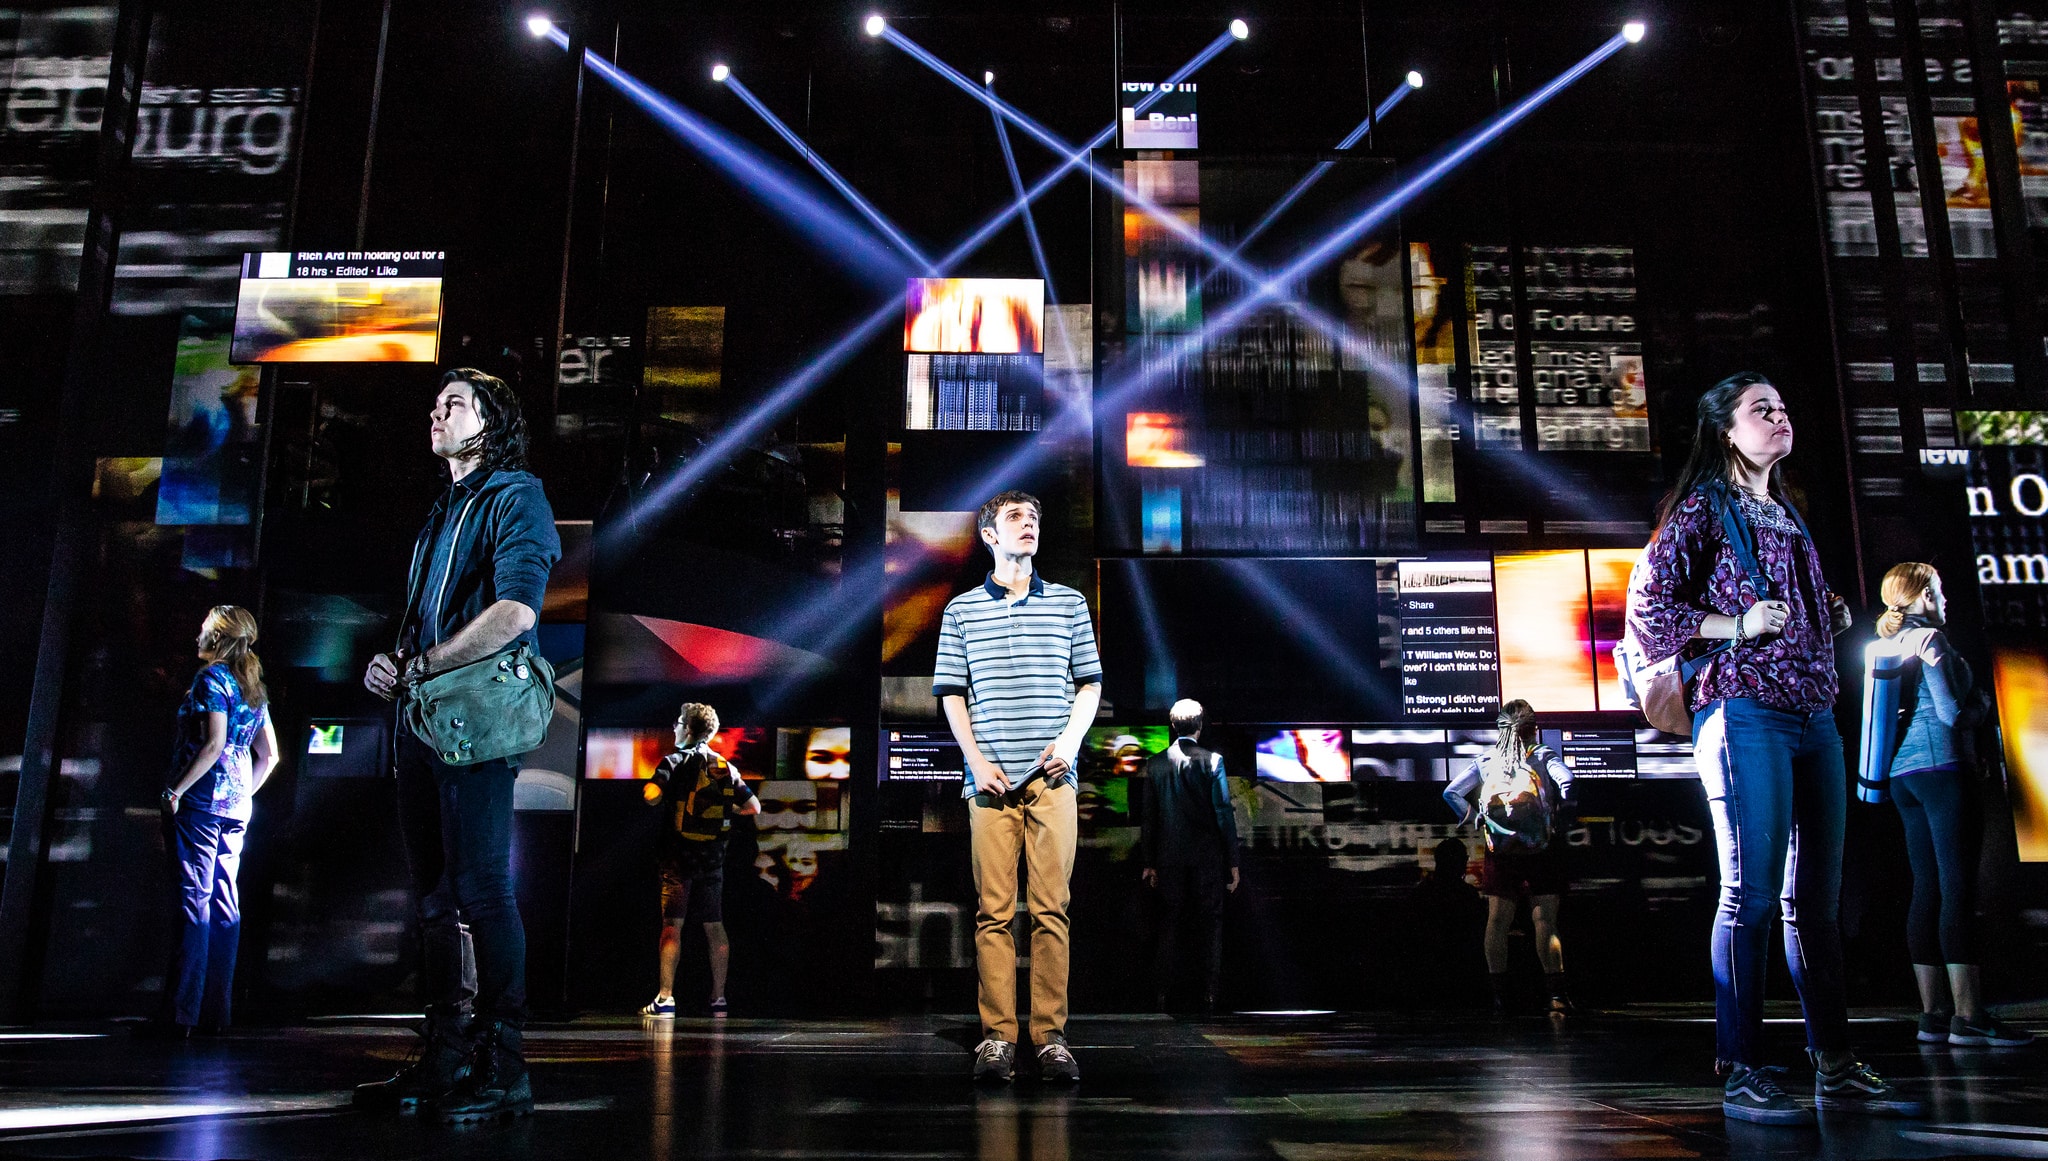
x=538, y=25
x=1633, y=31
x=1414, y=79
x=719, y=72
x=875, y=25
x=1240, y=29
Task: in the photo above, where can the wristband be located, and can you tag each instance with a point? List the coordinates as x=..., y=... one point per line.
x=1740, y=640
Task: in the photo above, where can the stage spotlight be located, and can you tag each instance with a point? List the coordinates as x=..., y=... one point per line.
x=538, y=26
x=838, y=235
x=719, y=72
x=988, y=78
x=1633, y=31
x=1414, y=79
x=1240, y=29
x=797, y=384
x=874, y=216
x=875, y=25
x=1112, y=397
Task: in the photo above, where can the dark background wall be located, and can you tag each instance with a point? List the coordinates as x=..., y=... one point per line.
x=1690, y=148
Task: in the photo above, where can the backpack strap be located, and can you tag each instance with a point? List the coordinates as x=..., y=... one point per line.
x=1741, y=540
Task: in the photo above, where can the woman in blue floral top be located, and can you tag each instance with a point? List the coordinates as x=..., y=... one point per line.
x=226, y=751
x=1764, y=735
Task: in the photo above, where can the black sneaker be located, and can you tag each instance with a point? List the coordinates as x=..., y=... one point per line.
x=1992, y=1033
x=1056, y=1063
x=994, y=1061
x=718, y=1009
x=1934, y=1027
x=498, y=1085
x=1754, y=1095
x=1854, y=1088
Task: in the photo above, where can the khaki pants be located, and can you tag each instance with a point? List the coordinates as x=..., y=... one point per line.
x=1039, y=824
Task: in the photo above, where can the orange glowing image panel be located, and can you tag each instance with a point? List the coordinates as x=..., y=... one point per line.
x=1545, y=630
x=1156, y=440
x=1608, y=569
x=975, y=316
x=2020, y=677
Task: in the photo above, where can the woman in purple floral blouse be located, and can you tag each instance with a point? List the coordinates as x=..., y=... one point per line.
x=1764, y=735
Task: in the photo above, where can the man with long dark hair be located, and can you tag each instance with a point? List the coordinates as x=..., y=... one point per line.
x=479, y=571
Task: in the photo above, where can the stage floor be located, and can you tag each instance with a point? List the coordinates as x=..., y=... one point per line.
x=1295, y=1087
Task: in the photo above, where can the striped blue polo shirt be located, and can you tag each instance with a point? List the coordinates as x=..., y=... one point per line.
x=1017, y=663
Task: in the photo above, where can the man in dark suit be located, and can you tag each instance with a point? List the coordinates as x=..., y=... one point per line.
x=1189, y=841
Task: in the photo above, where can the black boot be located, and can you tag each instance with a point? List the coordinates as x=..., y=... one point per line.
x=497, y=1086
x=437, y=1066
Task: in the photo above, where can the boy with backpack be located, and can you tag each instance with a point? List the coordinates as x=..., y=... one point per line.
x=1516, y=793
x=704, y=793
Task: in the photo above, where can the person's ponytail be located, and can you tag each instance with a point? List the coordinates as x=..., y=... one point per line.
x=230, y=641
x=1905, y=583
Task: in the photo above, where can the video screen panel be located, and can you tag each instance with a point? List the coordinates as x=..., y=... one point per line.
x=1662, y=755
x=346, y=748
x=975, y=316
x=1450, y=656
x=2020, y=678
x=1120, y=751
x=629, y=752
x=974, y=393
x=314, y=306
x=1602, y=753
x=1169, y=122
x=922, y=756
x=1303, y=755
x=1608, y=570
x=1399, y=754
x=814, y=754
x=1546, y=636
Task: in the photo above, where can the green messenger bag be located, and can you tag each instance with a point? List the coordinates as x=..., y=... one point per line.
x=496, y=707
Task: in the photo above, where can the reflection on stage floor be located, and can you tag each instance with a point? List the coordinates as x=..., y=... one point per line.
x=1299, y=1087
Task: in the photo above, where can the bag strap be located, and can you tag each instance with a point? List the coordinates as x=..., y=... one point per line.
x=1742, y=542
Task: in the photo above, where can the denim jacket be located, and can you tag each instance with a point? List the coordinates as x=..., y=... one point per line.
x=501, y=542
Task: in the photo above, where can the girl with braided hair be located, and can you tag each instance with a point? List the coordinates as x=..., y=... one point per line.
x=1515, y=793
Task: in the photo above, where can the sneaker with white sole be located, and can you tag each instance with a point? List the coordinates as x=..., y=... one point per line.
x=1754, y=1095
x=1934, y=1027
x=1991, y=1033
x=1056, y=1063
x=661, y=1009
x=1854, y=1088
x=994, y=1061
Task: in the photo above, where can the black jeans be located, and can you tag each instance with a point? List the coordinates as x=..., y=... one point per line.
x=1939, y=810
x=457, y=823
x=1192, y=891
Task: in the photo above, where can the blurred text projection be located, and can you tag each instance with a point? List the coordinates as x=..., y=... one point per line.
x=336, y=306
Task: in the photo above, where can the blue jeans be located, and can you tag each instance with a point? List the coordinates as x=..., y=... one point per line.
x=1778, y=792
x=457, y=823
x=206, y=855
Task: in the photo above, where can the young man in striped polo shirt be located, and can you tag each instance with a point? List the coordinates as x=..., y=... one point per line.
x=1020, y=680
